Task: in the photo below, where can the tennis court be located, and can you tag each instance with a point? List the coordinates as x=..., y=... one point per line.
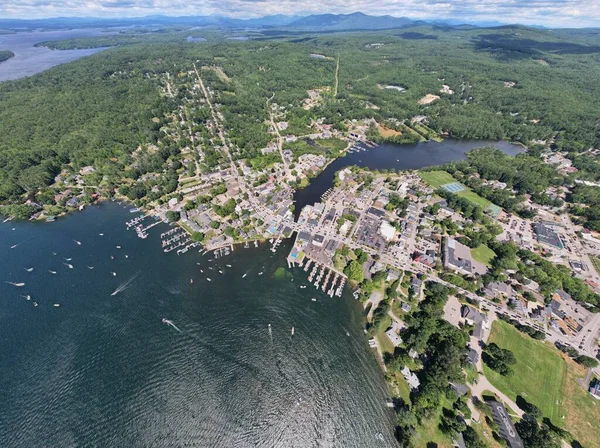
x=454, y=187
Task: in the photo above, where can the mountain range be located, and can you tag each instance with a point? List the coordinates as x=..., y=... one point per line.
x=318, y=22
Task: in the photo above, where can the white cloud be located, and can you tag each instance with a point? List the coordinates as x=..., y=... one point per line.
x=572, y=13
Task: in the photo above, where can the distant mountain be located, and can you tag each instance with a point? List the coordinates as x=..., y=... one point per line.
x=317, y=22
x=354, y=21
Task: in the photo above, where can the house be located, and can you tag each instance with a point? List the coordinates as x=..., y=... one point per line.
x=498, y=289
x=404, y=306
x=86, y=170
x=410, y=378
x=73, y=202
x=472, y=356
x=415, y=285
x=392, y=334
x=460, y=389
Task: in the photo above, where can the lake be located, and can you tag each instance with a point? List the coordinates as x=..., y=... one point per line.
x=398, y=157
x=104, y=370
x=29, y=60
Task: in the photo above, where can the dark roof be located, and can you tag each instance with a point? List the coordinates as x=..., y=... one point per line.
x=507, y=428
x=546, y=235
x=376, y=212
x=319, y=238
x=304, y=236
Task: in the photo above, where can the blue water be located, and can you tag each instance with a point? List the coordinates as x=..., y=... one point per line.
x=103, y=370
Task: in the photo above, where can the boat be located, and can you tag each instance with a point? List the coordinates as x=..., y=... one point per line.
x=118, y=247
x=28, y=269
x=101, y=234
x=57, y=305
x=191, y=280
x=228, y=265
x=35, y=303
x=208, y=279
x=303, y=287
x=52, y=272
x=134, y=210
x=244, y=276
x=70, y=266
x=260, y=273
x=126, y=256
x=13, y=246
x=313, y=299
x=77, y=242
x=51, y=219
x=292, y=331
x=90, y=267
x=112, y=257
x=114, y=274
x=220, y=271
x=16, y=284
x=28, y=297
x=67, y=259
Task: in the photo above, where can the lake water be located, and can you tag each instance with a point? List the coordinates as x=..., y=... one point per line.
x=103, y=370
x=398, y=157
x=29, y=60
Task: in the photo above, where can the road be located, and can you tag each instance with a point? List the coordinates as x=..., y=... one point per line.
x=279, y=139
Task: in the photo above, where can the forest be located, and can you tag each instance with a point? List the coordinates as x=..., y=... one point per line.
x=100, y=109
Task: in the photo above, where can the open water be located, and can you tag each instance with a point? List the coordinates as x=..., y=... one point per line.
x=104, y=370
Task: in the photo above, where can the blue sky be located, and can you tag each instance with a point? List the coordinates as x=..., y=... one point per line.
x=552, y=13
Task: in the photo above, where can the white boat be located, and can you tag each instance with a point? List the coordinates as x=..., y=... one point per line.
x=260, y=273
x=114, y=274
x=191, y=280
x=112, y=257
x=16, y=284
x=303, y=287
x=202, y=271
x=292, y=331
x=126, y=256
x=313, y=299
x=28, y=297
x=28, y=269
x=67, y=259
x=208, y=279
x=52, y=272
x=35, y=304
x=101, y=234
x=228, y=265
x=77, y=242
x=220, y=271
x=13, y=246
x=118, y=247
x=70, y=266
x=57, y=305
x=244, y=276
x=90, y=267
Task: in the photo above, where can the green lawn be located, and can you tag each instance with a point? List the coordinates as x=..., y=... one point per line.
x=438, y=178
x=539, y=373
x=483, y=254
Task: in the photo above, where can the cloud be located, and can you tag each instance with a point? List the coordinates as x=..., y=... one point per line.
x=555, y=13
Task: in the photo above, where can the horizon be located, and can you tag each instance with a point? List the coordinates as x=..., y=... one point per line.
x=544, y=13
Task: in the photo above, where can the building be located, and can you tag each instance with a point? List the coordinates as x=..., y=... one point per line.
x=595, y=389
x=410, y=378
x=546, y=235
x=457, y=257
x=507, y=428
x=387, y=230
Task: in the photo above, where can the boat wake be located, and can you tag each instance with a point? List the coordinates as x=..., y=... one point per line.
x=16, y=284
x=125, y=285
x=171, y=324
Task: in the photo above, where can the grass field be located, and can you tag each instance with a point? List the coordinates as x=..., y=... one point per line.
x=543, y=377
x=483, y=254
x=539, y=373
x=438, y=178
x=596, y=263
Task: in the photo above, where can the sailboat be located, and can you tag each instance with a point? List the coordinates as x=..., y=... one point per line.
x=292, y=331
x=78, y=242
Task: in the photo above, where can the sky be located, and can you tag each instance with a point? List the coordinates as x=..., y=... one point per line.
x=551, y=13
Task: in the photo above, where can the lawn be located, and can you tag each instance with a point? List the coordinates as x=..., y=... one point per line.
x=539, y=373
x=483, y=254
x=545, y=378
x=438, y=178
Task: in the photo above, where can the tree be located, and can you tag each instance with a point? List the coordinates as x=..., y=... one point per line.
x=354, y=271
x=172, y=216
x=197, y=236
x=534, y=435
x=587, y=361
